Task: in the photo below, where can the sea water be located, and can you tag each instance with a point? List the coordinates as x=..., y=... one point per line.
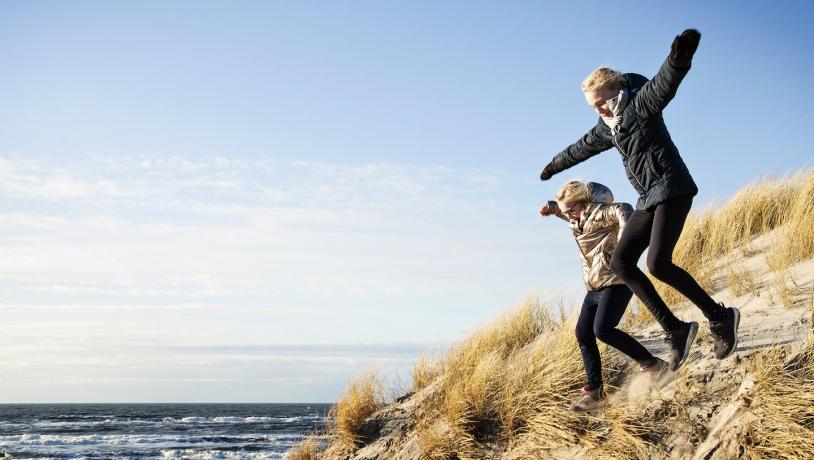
x=138, y=431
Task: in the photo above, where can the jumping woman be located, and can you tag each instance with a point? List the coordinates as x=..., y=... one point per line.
x=630, y=108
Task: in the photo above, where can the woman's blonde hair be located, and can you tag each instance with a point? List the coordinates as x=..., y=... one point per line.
x=573, y=191
x=603, y=77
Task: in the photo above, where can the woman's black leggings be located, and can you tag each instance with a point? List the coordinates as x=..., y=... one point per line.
x=600, y=314
x=659, y=228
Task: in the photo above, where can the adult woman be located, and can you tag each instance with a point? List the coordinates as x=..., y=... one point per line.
x=630, y=109
x=596, y=222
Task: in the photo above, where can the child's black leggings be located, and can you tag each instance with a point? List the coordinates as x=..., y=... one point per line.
x=600, y=314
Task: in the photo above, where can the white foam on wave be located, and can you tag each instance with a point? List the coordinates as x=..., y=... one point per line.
x=28, y=440
x=89, y=423
x=238, y=420
x=217, y=455
x=85, y=416
x=74, y=425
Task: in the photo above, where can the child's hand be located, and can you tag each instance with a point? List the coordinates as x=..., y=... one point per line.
x=545, y=210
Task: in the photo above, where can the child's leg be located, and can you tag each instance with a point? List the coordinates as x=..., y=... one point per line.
x=587, y=341
x=634, y=240
x=668, y=222
x=612, y=305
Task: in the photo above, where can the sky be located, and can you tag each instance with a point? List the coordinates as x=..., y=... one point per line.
x=255, y=201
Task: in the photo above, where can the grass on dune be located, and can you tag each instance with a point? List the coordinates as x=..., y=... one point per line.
x=518, y=405
x=468, y=401
x=785, y=204
x=783, y=425
x=363, y=397
x=309, y=448
x=795, y=241
x=510, y=385
x=425, y=371
x=506, y=387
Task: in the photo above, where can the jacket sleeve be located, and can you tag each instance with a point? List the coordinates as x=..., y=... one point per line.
x=597, y=140
x=610, y=214
x=654, y=95
x=555, y=209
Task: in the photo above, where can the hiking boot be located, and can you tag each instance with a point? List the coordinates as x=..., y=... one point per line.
x=725, y=333
x=590, y=400
x=658, y=372
x=680, y=341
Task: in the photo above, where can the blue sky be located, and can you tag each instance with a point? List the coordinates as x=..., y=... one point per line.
x=253, y=201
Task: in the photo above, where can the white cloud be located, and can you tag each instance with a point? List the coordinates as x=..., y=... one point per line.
x=169, y=251
x=354, y=222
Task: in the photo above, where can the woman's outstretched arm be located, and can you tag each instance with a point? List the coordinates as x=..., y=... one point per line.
x=597, y=140
x=654, y=96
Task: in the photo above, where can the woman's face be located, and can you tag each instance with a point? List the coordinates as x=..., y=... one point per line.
x=598, y=99
x=573, y=210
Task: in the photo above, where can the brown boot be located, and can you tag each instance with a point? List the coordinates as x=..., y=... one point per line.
x=590, y=400
x=658, y=372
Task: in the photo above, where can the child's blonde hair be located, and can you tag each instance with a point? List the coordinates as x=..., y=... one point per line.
x=573, y=191
x=603, y=77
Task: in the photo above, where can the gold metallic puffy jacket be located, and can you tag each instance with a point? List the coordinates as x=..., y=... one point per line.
x=597, y=233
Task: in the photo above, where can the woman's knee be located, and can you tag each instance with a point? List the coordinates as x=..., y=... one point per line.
x=659, y=266
x=621, y=267
x=604, y=333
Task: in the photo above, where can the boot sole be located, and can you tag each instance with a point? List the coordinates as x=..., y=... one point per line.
x=688, y=345
x=663, y=380
x=737, y=314
x=596, y=407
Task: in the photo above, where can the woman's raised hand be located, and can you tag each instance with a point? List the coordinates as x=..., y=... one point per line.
x=684, y=47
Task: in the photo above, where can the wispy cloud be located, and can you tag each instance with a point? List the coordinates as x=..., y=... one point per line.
x=180, y=253
x=42, y=359
x=138, y=226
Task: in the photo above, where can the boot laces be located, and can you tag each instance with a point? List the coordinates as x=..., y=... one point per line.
x=717, y=327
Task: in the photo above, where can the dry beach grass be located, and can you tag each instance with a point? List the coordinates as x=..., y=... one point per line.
x=309, y=448
x=363, y=397
x=503, y=392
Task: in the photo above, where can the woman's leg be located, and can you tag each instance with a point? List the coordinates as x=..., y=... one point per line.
x=612, y=305
x=634, y=240
x=668, y=222
x=587, y=341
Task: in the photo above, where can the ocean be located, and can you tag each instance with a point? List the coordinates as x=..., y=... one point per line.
x=140, y=431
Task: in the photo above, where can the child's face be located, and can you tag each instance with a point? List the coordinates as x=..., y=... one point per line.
x=573, y=210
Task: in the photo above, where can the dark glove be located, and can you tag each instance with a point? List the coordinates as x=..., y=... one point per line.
x=548, y=171
x=684, y=47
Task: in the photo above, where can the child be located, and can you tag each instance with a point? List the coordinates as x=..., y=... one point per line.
x=630, y=106
x=597, y=222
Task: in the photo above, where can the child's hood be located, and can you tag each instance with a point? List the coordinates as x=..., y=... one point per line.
x=599, y=193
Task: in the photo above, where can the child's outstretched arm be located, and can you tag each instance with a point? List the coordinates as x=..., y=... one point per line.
x=551, y=209
x=654, y=96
